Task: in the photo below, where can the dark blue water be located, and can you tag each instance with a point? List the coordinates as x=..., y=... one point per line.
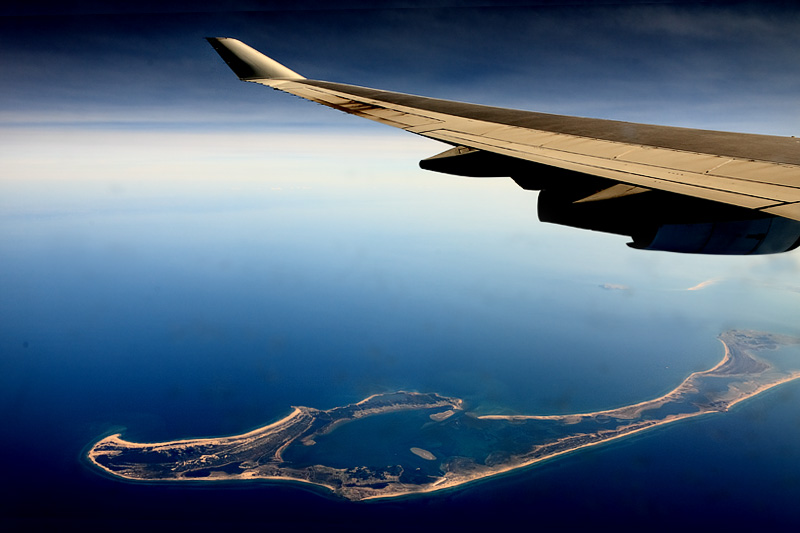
x=738, y=468
x=184, y=325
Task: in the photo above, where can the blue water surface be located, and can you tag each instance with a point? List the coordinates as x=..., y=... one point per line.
x=173, y=323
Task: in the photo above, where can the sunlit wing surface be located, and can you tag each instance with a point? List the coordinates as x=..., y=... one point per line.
x=675, y=189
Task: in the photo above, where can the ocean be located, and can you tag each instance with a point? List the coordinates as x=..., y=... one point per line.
x=185, y=320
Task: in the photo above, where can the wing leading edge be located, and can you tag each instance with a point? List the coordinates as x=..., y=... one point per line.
x=757, y=174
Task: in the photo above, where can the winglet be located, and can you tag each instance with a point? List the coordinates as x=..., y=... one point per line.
x=248, y=63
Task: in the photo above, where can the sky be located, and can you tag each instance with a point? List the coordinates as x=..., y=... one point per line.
x=729, y=67
x=161, y=222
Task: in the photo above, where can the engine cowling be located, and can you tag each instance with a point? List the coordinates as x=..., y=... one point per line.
x=739, y=237
x=672, y=223
x=655, y=220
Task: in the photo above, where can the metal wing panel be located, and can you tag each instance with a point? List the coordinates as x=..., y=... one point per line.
x=753, y=171
x=522, y=135
x=787, y=210
x=582, y=145
x=751, y=184
x=666, y=158
x=725, y=190
x=397, y=116
x=759, y=172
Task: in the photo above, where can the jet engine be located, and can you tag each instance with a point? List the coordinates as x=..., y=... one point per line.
x=655, y=220
x=674, y=223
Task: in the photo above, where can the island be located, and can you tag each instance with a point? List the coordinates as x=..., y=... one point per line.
x=402, y=443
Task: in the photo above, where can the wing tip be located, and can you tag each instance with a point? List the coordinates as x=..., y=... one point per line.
x=248, y=63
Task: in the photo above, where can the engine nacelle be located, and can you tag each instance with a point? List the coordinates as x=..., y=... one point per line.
x=740, y=237
x=673, y=223
x=655, y=220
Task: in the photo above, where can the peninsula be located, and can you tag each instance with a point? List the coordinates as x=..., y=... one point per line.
x=404, y=443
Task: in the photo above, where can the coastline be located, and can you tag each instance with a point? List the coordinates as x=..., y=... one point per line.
x=258, y=454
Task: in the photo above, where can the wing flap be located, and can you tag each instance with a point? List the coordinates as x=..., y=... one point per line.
x=758, y=172
x=666, y=158
x=591, y=147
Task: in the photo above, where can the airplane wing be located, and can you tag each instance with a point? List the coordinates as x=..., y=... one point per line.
x=750, y=184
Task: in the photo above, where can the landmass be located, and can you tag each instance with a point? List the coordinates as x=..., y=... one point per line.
x=467, y=447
